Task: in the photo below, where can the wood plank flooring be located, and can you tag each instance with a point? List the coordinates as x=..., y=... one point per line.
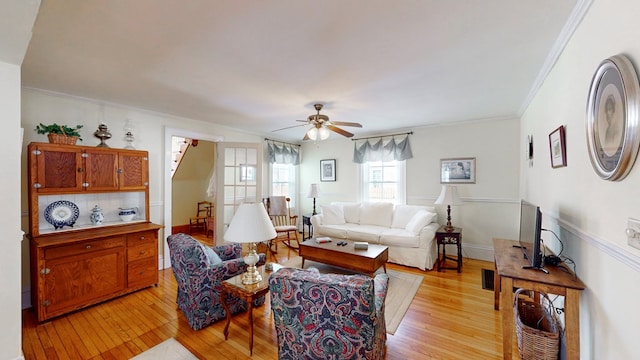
x=451, y=317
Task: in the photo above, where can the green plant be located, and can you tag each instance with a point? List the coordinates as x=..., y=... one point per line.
x=58, y=129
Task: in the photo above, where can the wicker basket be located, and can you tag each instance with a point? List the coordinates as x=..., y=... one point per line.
x=537, y=328
x=62, y=139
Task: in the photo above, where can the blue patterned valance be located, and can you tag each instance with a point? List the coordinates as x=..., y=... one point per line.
x=377, y=149
x=283, y=153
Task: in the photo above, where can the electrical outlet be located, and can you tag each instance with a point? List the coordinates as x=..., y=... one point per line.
x=633, y=233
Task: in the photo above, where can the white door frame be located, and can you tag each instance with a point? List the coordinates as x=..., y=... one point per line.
x=168, y=134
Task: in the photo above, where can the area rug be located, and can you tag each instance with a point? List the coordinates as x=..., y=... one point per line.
x=402, y=288
x=169, y=349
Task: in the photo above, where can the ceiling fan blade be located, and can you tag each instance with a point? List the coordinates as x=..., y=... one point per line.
x=288, y=127
x=304, y=121
x=342, y=123
x=306, y=137
x=339, y=131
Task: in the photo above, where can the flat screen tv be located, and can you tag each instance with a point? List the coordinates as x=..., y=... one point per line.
x=530, y=230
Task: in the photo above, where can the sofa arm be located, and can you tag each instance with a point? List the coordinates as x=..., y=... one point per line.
x=316, y=220
x=228, y=251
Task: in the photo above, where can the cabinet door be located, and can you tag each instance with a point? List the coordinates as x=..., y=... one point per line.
x=133, y=167
x=55, y=168
x=101, y=169
x=73, y=282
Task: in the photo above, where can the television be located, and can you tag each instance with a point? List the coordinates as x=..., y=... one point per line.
x=530, y=230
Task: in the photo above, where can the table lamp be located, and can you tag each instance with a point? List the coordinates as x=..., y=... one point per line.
x=314, y=192
x=250, y=224
x=449, y=196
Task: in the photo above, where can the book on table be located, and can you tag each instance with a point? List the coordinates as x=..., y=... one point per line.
x=322, y=240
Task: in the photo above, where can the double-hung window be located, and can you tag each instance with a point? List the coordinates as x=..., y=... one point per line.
x=283, y=181
x=383, y=181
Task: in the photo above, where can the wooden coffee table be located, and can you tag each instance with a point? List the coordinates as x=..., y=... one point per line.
x=365, y=261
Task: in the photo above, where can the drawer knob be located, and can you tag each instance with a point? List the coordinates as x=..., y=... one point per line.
x=142, y=252
x=88, y=247
x=141, y=237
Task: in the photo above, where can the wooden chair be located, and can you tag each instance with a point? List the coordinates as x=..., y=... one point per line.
x=279, y=210
x=200, y=220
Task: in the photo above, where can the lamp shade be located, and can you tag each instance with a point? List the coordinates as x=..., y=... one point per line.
x=313, y=133
x=250, y=224
x=314, y=191
x=449, y=196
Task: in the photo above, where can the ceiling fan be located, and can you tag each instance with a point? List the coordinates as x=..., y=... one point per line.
x=320, y=126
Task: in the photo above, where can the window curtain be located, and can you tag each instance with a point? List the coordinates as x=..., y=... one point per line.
x=283, y=153
x=376, y=149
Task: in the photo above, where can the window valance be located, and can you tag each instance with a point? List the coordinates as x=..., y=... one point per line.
x=283, y=153
x=377, y=149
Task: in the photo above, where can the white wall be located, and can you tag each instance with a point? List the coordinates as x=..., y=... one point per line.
x=10, y=310
x=589, y=214
x=492, y=203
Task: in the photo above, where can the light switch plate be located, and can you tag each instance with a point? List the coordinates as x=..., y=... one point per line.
x=633, y=233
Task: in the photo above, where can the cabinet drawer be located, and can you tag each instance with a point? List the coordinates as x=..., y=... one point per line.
x=142, y=273
x=141, y=237
x=141, y=251
x=83, y=247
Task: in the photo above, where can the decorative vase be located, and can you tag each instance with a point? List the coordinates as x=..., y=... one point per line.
x=96, y=215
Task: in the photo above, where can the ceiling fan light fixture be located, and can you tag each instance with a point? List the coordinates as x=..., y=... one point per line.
x=312, y=133
x=323, y=132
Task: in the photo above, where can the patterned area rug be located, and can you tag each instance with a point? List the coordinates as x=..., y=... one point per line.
x=169, y=349
x=402, y=288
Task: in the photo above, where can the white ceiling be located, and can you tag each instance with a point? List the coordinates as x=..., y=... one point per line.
x=259, y=65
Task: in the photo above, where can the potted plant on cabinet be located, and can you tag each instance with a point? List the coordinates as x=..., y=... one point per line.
x=60, y=134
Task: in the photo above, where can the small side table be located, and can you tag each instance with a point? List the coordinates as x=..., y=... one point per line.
x=306, y=221
x=444, y=238
x=248, y=293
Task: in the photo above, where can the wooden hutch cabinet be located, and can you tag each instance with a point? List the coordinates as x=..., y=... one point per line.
x=83, y=264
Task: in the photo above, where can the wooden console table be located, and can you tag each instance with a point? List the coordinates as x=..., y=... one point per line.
x=509, y=273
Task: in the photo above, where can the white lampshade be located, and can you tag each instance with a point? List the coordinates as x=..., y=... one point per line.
x=314, y=191
x=250, y=224
x=449, y=196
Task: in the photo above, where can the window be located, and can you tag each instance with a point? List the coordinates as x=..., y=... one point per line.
x=383, y=181
x=283, y=181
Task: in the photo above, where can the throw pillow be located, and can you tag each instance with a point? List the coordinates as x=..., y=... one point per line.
x=419, y=220
x=403, y=213
x=376, y=213
x=332, y=215
x=351, y=213
x=211, y=255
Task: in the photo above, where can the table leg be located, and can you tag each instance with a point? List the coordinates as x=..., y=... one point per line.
x=223, y=298
x=459, y=255
x=496, y=288
x=250, y=303
x=302, y=266
x=507, y=316
x=572, y=323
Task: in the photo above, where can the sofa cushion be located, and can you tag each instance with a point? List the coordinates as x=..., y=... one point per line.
x=400, y=238
x=332, y=215
x=336, y=231
x=403, y=213
x=419, y=220
x=368, y=233
x=376, y=213
x=351, y=213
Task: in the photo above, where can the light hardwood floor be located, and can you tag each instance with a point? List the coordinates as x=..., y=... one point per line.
x=451, y=317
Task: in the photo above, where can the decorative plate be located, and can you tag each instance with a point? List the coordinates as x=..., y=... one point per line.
x=61, y=213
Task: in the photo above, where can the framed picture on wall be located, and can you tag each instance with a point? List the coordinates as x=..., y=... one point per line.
x=557, y=148
x=458, y=171
x=328, y=170
x=612, y=118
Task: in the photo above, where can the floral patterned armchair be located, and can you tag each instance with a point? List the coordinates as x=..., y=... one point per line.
x=199, y=271
x=328, y=316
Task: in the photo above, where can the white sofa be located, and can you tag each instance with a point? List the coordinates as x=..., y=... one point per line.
x=408, y=230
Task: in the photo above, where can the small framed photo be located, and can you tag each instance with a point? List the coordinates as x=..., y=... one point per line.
x=328, y=170
x=458, y=171
x=557, y=148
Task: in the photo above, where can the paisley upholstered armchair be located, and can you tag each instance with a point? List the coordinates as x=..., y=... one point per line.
x=328, y=316
x=199, y=271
